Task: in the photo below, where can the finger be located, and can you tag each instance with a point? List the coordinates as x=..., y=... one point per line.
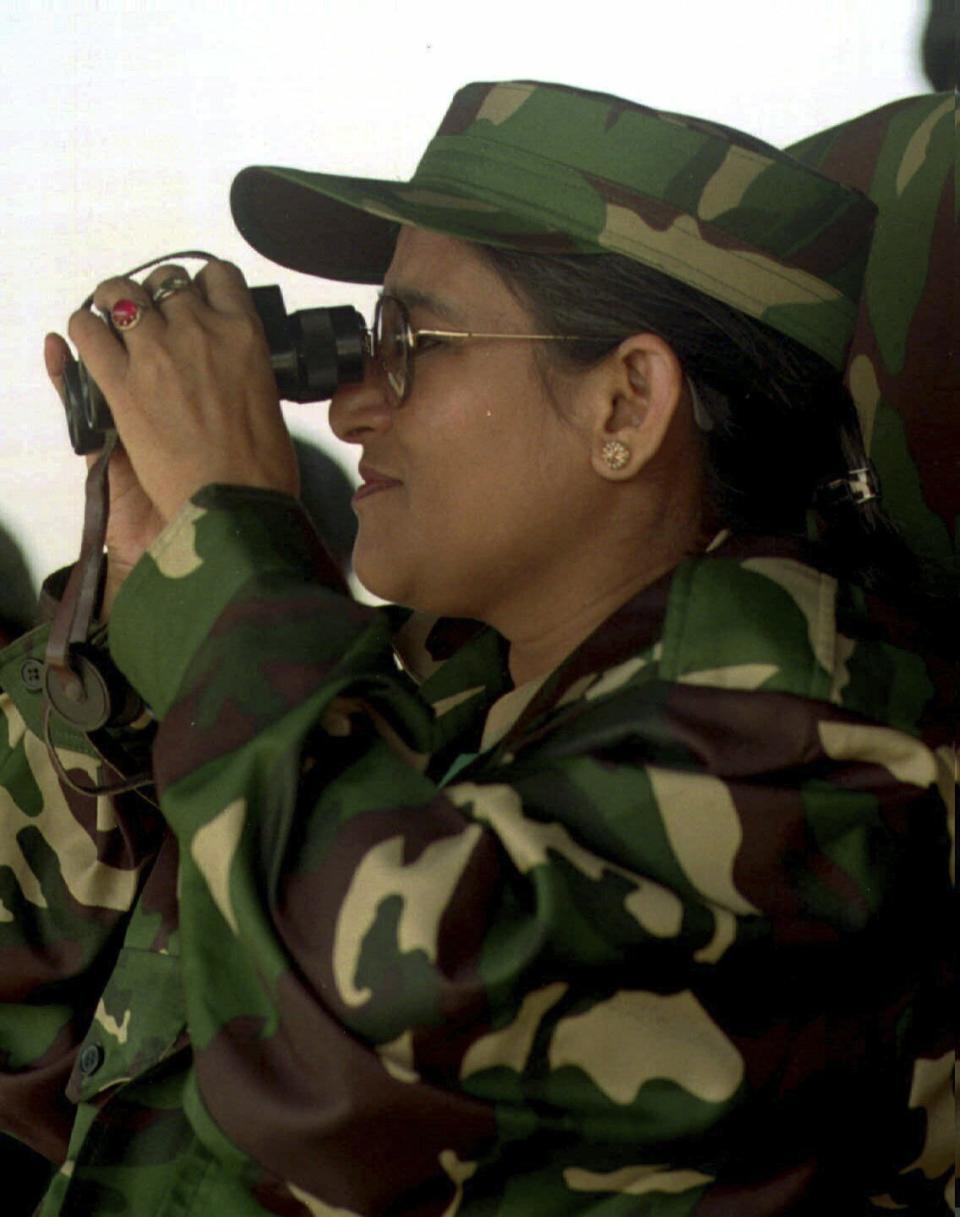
x=105, y=356
x=111, y=290
x=170, y=287
x=225, y=288
x=56, y=356
x=129, y=310
x=56, y=353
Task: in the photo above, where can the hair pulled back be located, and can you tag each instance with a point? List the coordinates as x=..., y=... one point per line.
x=777, y=422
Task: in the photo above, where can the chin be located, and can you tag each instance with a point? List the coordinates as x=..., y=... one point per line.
x=381, y=575
x=396, y=584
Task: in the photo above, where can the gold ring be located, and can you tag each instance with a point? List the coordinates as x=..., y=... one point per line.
x=127, y=314
x=170, y=286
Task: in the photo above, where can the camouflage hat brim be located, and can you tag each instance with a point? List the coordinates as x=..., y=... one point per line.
x=345, y=228
x=554, y=169
x=296, y=219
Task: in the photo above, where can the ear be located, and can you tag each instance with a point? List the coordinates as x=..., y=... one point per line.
x=635, y=398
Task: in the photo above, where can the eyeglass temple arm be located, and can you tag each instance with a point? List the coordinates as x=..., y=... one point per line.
x=415, y=334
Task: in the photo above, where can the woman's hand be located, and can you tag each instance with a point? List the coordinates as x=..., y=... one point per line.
x=191, y=390
x=193, y=397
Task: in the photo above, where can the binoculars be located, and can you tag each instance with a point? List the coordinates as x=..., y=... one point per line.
x=312, y=351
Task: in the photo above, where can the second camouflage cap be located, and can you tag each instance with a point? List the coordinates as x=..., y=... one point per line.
x=554, y=169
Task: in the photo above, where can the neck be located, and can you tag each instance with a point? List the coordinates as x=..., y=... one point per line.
x=545, y=627
x=534, y=655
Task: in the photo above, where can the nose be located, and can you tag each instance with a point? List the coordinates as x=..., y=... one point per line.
x=362, y=409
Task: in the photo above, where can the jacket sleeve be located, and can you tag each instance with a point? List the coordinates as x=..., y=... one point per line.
x=652, y=947
x=71, y=866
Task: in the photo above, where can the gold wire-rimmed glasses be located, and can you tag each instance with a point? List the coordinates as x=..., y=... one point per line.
x=393, y=340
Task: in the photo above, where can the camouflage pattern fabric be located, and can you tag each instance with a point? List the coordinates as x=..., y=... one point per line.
x=561, y=170
x=664, y=935
x=903, y=369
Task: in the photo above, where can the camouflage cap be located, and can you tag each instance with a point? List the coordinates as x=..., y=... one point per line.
x=554, y=169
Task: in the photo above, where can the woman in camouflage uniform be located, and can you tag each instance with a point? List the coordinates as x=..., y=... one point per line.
x=623, y=892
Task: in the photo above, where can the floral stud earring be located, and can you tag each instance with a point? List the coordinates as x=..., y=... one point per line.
x=615, y=454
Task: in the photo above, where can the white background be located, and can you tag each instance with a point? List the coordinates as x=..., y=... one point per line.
x=123, y=124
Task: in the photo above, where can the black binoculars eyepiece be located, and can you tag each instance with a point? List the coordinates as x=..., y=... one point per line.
x=312, y=351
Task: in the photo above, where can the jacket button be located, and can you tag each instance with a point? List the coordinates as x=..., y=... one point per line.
x=91, y=1058
x=31, y=673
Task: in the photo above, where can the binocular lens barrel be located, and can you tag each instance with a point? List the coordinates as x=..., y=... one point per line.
x=311, y=351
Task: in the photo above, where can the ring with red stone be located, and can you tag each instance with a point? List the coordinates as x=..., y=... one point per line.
x=126, y=314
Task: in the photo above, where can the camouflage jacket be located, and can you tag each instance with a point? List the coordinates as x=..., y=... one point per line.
x=663, y=934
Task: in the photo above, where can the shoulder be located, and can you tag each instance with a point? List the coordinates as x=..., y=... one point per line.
x=761, y=615
x=753, y=639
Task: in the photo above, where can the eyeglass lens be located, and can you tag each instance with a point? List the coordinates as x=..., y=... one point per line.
x=390, y=343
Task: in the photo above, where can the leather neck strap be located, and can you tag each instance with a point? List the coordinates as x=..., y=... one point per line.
x=75, y=615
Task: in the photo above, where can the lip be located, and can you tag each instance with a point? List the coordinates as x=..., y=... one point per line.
x=372, y=481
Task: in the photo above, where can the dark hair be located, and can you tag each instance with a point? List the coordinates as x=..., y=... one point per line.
x=776, y=420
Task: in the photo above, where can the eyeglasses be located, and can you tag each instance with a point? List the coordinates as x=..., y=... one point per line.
x=393, y=341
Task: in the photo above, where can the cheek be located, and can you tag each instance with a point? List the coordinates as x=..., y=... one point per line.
x=455, y=443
